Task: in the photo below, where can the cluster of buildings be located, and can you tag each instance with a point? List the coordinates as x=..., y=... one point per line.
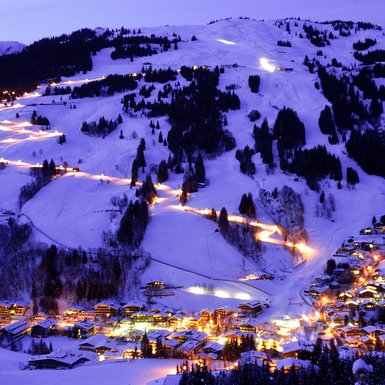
x=348, y=307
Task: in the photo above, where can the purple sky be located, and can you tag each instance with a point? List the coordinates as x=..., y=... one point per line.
x=29, y=20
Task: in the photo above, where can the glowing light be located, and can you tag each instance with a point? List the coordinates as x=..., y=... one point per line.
x=221, y=294
x=196, y=290
x=243, y=296
x=266, y=65
x=227, y=42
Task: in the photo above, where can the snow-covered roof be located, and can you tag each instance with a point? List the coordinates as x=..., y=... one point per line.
x=295, y=346
x=287, y=363
x=47, y=323
x=253, y=354
x=60, y=356
x=360, y=364
x=17, y=327
x=98, y=341
x=213, y=345
x=371, y=329
x=189, y=346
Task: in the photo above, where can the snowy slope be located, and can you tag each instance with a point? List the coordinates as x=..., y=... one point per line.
x=186, y=249
x=8, y=47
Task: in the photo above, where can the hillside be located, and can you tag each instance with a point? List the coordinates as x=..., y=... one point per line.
x=74, y=210
x=8, y=47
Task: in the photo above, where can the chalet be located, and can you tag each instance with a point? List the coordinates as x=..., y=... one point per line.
x=212, y=347
x=142, y=316
x=16, y=330
x=99, y=343
x=373, y=331
x=158, y=289
x=170, y=346
x=367, y=342
x=135, y=335
x=189, y=348
x=287, y=363
x=40, y=316
x=185, y=335
x=351, y=331
x=154, y=335
x=4, y=308
x=292, y=349
x=83, y=329
x=132, y=307
x=368, y=292
x=368, y=231
x=73, y=312
x=206, y=315
x=106, y=310
x=367, y=246
x=12, y=309
x=248, y=325
x=253, y=357
x=250, y=309
x=57, y=360
x=18, y=309
x=126, y=351
x=161, y=318
x=44, y=328
x=190, y=322
x=222, y=312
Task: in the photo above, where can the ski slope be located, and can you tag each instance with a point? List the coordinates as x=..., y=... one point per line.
x=187, y=250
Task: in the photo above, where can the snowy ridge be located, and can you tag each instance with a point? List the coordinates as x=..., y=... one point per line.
x=8, y=47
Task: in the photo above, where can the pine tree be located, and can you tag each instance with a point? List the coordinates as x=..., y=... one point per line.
x=148, y=190
x=223, y=221
x=160, y=137
x=162, y=174
x=33, y=117
x=352, y=177
x=52, y=168
x=146, y=348
x=134, y=173
x=200, y=172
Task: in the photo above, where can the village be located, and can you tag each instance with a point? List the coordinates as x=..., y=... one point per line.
x=348, y=310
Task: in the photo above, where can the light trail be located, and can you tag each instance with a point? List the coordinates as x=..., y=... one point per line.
x=227, y=42
x=74, y=82
x=19, y=129
x=10, y=107
x=267, y=235
x=75, y=170
x=29, y=95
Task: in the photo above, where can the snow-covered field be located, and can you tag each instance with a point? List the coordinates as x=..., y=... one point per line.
x=188, y=250
x=137, y=372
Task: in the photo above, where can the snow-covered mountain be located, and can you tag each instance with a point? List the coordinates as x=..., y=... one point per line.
x=76, y=209
x=8, y=47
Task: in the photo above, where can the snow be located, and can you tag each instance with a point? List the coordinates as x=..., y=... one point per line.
x=8, y=47
x=66, y=17
x=186, y=249
x=137, y=372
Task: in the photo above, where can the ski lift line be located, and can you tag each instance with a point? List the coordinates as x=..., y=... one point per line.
x=152, y=259
x=208, y=277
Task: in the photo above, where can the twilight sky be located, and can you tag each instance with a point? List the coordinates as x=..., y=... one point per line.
x=29, y=20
